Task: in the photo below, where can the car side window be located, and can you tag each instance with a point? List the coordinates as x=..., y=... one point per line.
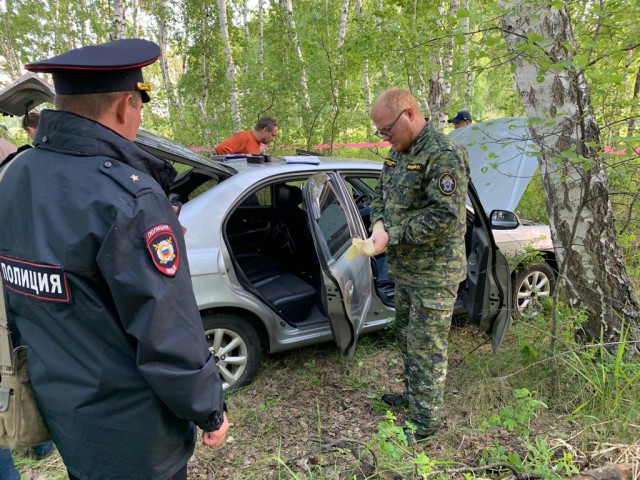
x=333, y=224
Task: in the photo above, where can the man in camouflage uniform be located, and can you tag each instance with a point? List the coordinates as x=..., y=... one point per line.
x=419, y=214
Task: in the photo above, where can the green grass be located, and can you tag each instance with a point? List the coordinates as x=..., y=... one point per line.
x=312, y=414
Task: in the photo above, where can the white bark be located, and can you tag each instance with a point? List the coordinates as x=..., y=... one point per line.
x=366, y=85
x=383, y=69
x=577, y=198
x=304, y=82
x=442, y=58
x=344, y=16
x=231, y=67
x=134, y=20
x=163, y=32
x=261, y=38
x=465, y=52
x=119, y=22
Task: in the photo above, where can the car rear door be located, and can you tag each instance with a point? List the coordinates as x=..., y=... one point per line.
x=488, y=276
x=334, y=220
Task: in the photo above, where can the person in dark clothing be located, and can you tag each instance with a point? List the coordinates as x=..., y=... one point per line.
x=30, y=124
x=97, y=282
x=461, y=119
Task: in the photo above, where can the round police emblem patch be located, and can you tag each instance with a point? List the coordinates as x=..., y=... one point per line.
x=447, y=183
x=163, y=247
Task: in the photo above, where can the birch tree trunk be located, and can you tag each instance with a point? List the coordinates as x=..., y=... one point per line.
x=231, y=68
x=245, y=28
x=163, y=19
x=261, y=38
x=383, y=69
x=442, y=58
x=344, y=16
x=574, y=177
x=119, y=22
x=366, y=85
x=134, y=20
x=304, y=78
x=465, y=53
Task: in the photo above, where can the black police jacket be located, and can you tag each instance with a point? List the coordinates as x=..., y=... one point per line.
x=97, y=282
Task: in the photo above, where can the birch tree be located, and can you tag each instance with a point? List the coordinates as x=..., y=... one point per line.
x=231, y=67
x=261, y=39
x=442, y=58
x=163, y=33
x=552, y=84
x=304, y=77
x=366, y=85
x=119, y=23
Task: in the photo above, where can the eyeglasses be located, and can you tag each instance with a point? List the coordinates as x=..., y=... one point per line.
x=386, y=131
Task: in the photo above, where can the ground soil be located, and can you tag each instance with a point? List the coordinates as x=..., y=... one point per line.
x=312, y=414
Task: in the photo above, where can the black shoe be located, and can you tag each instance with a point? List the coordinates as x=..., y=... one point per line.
x=395, y=399
x=415, y=437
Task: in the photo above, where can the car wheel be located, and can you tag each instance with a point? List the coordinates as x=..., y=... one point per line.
x=235, y=345
x=532, y=284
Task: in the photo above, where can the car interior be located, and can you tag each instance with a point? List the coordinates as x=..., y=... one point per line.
x=274, y=253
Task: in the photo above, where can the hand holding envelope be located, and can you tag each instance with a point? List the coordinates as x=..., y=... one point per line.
x=374, y=245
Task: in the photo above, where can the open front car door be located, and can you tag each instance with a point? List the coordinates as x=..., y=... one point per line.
x=334, y=220
x=488, y=288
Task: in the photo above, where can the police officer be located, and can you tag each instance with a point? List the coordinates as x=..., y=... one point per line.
x=418, y=212
x=93, y=262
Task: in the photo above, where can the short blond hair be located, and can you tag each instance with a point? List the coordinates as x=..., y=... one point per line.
x=395, y=99
x=91, y=105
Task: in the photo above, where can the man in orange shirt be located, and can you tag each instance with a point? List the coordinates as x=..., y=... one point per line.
x=248, y=141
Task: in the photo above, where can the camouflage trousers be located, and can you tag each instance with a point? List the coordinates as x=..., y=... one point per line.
x=423, y=319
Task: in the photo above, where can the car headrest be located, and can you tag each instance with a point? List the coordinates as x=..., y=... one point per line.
x=288, y=196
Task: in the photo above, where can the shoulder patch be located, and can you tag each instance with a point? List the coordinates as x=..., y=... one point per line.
x=37, y=280
x=132, y=180
x=447, y=183
x=163, y=247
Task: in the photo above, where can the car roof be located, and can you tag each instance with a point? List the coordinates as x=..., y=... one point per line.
x=501, y=160
x=297, y=163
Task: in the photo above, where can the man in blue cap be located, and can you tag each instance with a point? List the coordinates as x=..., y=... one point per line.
x=461, y=119
x=97, y=282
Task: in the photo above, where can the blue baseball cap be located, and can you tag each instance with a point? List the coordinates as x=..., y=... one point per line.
x=461, y=116
x=110, y=67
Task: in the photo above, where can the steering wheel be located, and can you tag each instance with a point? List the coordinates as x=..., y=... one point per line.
x=362, y=201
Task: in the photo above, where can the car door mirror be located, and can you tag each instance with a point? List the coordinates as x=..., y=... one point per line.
x=504, y=220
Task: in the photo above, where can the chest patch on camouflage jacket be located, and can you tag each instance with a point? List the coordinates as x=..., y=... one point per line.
x=390, y=163
x=447, y=183
x=163, y=247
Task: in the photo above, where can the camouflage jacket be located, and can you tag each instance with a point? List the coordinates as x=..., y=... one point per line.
x=421, y=196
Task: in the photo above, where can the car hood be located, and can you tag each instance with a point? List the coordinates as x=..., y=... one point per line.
x=501, y=160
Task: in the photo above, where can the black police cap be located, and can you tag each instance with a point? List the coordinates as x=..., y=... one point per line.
x=110, y=67
x=461, y=116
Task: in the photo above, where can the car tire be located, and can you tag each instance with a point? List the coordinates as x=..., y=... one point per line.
x=236, y=346
x=530, y=285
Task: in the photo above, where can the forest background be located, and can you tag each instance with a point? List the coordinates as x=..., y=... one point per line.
x=317, y=65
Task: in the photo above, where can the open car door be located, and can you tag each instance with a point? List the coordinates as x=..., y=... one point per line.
x=488, y=276
x=334, y=220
